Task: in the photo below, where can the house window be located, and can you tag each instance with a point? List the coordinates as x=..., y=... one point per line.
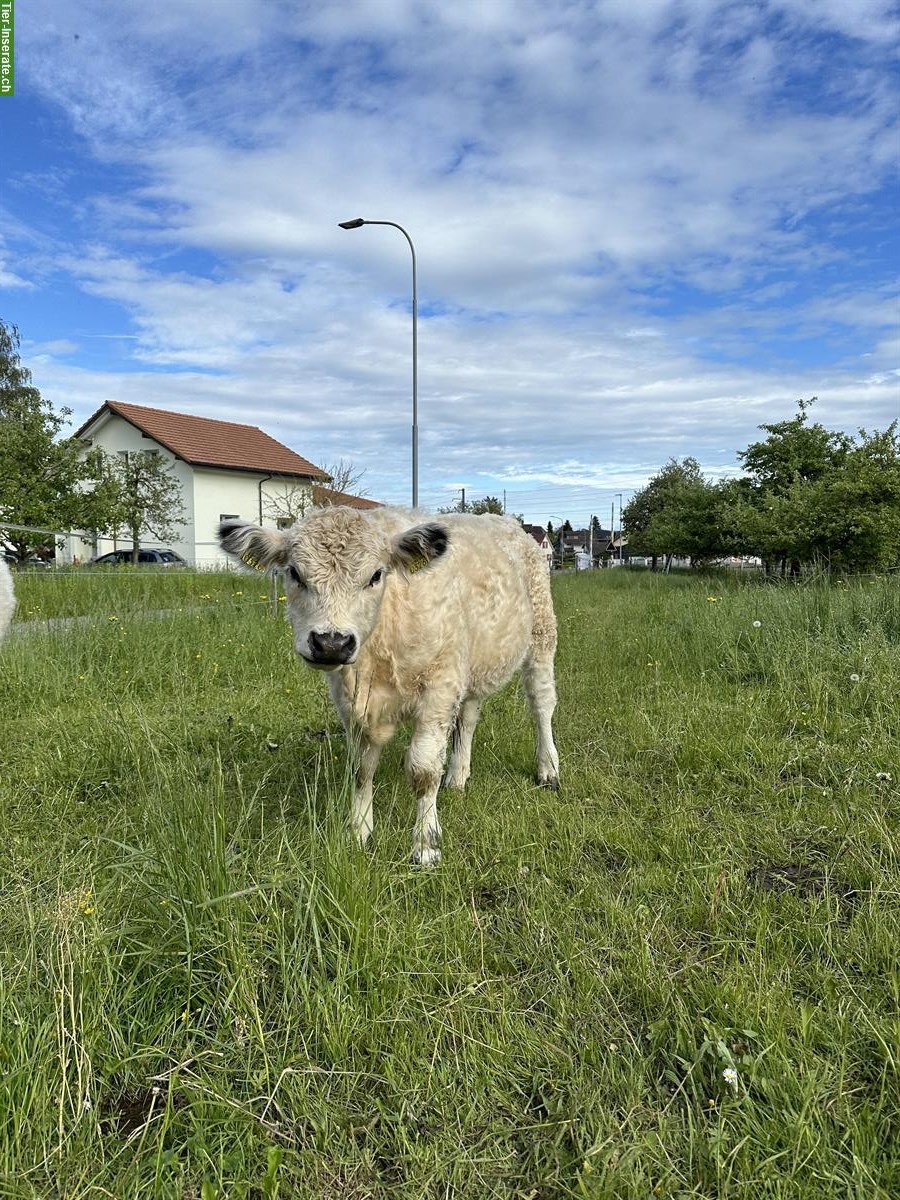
x=284, y=523
x=229, y=517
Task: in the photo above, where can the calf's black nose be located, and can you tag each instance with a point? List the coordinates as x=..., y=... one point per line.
x=332, y=647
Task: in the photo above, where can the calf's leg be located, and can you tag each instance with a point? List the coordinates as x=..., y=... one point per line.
x=540, y=688
x=425, y=763
x=365, y=750
x=460, y=765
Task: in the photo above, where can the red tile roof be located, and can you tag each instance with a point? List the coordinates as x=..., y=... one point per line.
x=537, y=532
x=323, y=497
x=204, y=442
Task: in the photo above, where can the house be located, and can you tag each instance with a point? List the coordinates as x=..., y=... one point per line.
x=598, y=547
x=540, y=536
x=224, y=469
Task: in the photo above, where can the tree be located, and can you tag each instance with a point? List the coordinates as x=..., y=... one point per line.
x=857, y=509
x=677, y=513
x=291, y=506
x=40, y=472
x=794, y=450
x=295, y=501
x=346, y=477
x=144, y=497
x=489, y=504
x=789, y=473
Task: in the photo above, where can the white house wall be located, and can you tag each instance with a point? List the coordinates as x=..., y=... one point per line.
x=219, y=494
x=115, y=435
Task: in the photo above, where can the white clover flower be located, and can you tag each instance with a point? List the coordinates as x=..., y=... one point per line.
x=730, y=1076
x=883, y=776
x=854, y=678
x=757, y=624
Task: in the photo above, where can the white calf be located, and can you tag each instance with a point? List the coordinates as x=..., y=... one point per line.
x=414, y=621
x=7, y=598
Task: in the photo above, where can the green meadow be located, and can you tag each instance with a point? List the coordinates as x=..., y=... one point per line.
x=676, y=978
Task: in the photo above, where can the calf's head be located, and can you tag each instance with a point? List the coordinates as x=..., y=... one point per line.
x=336, y=564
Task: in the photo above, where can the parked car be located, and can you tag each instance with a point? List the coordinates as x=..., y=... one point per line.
x=32, y=563
x=146, y=558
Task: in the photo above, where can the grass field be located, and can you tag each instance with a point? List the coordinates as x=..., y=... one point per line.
x=676, y=978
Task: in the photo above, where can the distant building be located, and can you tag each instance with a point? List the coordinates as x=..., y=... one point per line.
x=225, y=470
x=601, y=547
x=540, y=536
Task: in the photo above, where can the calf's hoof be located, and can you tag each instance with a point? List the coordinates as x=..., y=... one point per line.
x=549, y=782
x=455, y=783
x=425, y=856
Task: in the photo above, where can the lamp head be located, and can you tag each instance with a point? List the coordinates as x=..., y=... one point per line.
x=355, y=224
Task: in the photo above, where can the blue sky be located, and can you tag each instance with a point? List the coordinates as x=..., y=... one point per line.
x=643, y=227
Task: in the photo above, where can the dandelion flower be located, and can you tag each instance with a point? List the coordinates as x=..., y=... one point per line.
x=730, y=1076
x=713, y=599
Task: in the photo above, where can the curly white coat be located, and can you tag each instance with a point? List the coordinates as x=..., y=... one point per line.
x=415, y=621
x=7, y=599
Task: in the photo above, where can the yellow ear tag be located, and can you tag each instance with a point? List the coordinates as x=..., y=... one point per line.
x=417, y=564
x=251, y=562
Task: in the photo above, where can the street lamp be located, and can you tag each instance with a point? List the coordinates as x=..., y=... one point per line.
x=357, y=224
x=619, y=494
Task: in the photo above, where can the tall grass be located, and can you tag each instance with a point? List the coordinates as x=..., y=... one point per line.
x=676, y=978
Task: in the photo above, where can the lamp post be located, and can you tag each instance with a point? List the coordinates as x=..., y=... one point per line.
x=357, y=224
x=619, y=495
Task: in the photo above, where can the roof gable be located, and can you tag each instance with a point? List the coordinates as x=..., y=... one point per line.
x=324, y=497
x=204, y=442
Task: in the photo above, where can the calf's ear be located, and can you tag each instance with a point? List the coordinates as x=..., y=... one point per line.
x=263, y=549
x=418, y=547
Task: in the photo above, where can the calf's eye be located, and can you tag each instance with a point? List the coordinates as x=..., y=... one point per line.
x=296, y=576
x=376, y=578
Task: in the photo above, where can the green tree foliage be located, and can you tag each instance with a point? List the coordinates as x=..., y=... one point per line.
x=677, y=513
x=816, y=496
x=488, y=504
x=41, y=473
x=794, y=450
x=811, y=496
x=141, y=496
x=859, y=506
